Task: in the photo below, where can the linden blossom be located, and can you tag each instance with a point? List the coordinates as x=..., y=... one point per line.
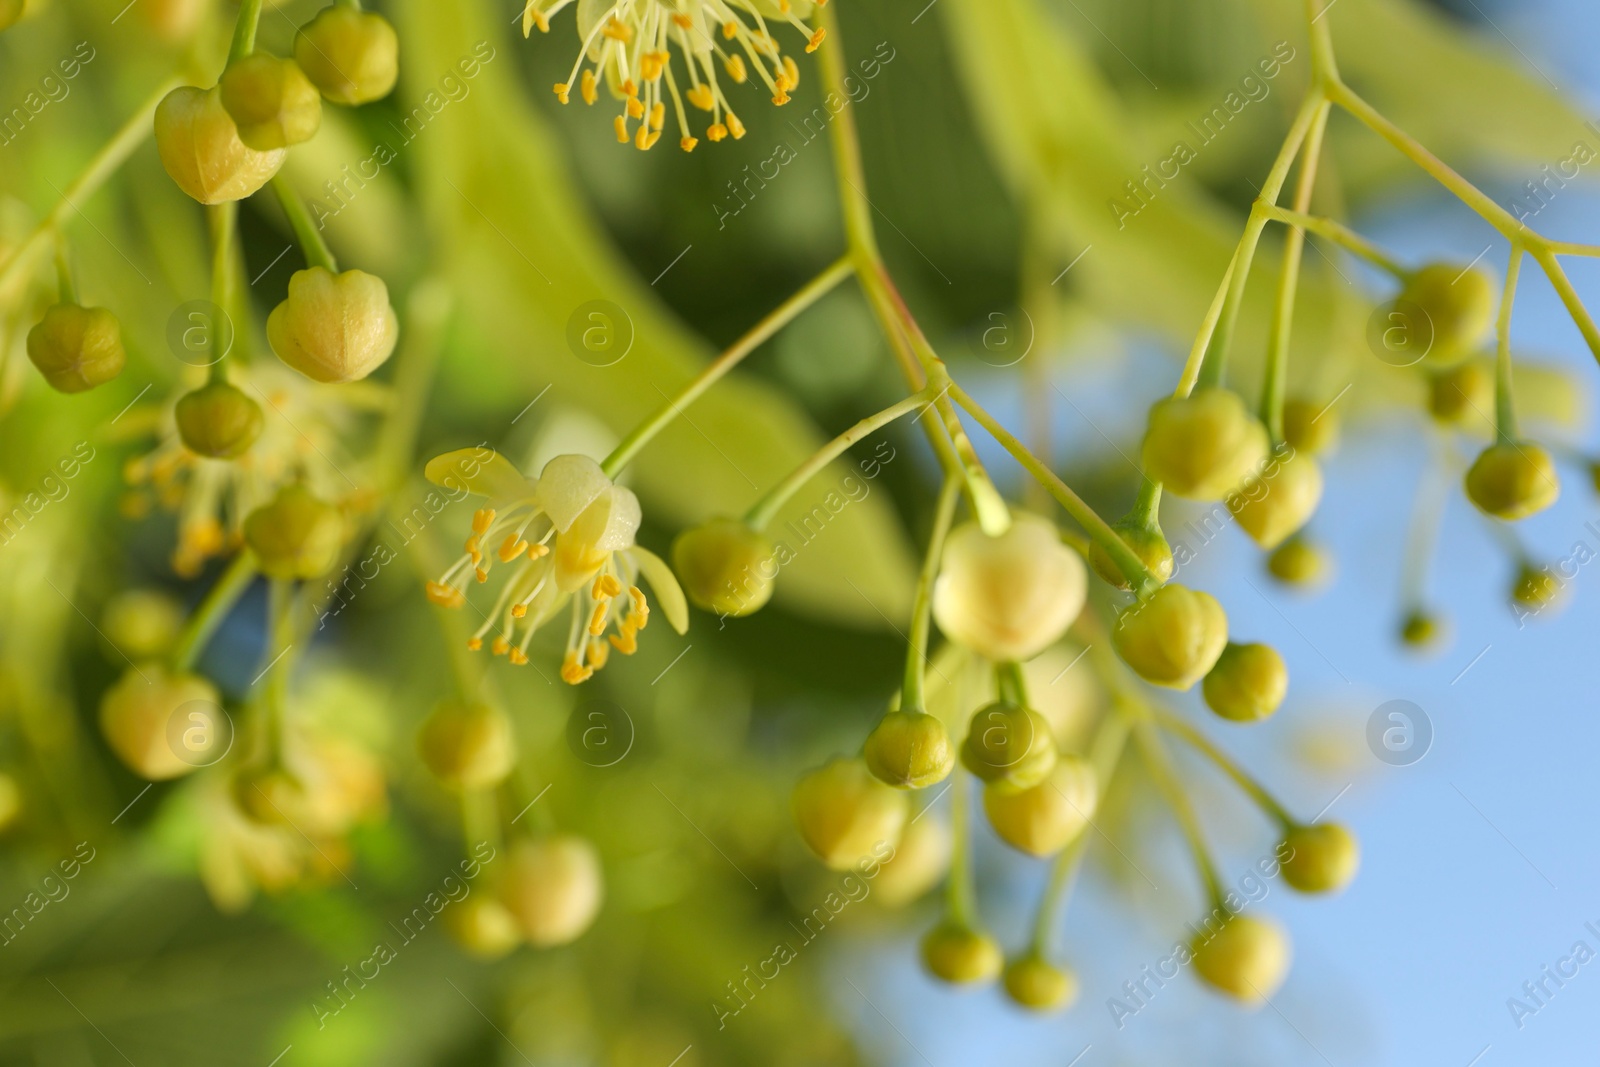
x=1212, y=123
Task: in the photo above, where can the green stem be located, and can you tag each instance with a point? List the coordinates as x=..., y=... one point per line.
x=1175, y=724
x=1323, y=65
x=203, y=623
x=1427, y=516
x=958, y=886
x=1569, y=296
x=775, y=320
x=244, y=30
x=1096, y=527
x=763, y=510
x=1346, y=238
x=224, y=220
x=1166, y=781
x=1274, y=381
x=312, y=246
x=104, y=164
x=1505, y=410
x=1147, y=505
x=68, y=287
x=911, y=698
x=280, y=622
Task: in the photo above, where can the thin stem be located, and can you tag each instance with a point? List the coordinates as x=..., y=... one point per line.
x=958, y=886
x=911, y=698
x=312, y=246
x=203, y=623
x=1427, y=516
x=224, y=220
x=1323, y=65
x=1505, y=411
x=1166, y=780
x=775, y=320
x=244, y=30
x=1569, y=296
x=1147, y=505
x=1345, y=237
x=1176, y=724
x=763, y=510
x=1214, y=370
x=1099, y=532
x=104, y=164
x=280, y=623
x=1274, y=381
x=64, y=280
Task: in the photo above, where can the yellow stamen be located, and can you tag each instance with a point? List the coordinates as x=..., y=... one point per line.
x=481, y=520
x=447, y=596
x=500, y=646
x=716, y=132
x=483, y=575
x=573, y=672
x=700, y=96
x=658, y=115
x=519, y=611
x=730, y=29
x=474, y=644
x=688, y=143
x=598, y=654
x=561, y=91
x=735, y=127
x=597, y=620
x=735, y=68
x=635, y=108
x=538, y=550
x=587, y=87
x=618, y=30
x=816, y=40
x=518, y=657
x=621, y=124
x=606, y=586
x=683, y=22
x=513, y=547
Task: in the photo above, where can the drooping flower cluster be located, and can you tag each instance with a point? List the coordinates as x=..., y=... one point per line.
x=629, y=44
x=567, y=537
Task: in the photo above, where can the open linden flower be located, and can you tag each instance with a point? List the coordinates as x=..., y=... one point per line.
x=568, y=535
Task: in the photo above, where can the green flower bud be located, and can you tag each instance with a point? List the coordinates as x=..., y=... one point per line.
x=1309, y=426
x=1045, y=819
x=1012, y=596
x=960, y=955
x=552, y=887
x=271, y=101
x=1459, y=304
x=295, y=535
x=725, y=566
x=137, y=714
x=200, y=147
x=468, y=745
x=1009, y=745
x=77, y=348
x=1320, y=859
x=1421, y=629
x=483, y=926
x=843, y=812
x=1248, y=683
x=1173, y=638
x=1463, y=393
x=1535, y=588
x=919, y=861
x=218, y=420
x=1299, y=561
x=352, y=56
x=10, y=802
x=141, y=624
x=1147, y=542
x=1511, y=481
x=1035, y=984
x=910, y=750
x=1280, y=501
x=334, y=327
x=1203, y=445
x=172, y=20
x=1246, y=958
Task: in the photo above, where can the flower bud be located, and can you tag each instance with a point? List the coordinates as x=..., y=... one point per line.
x=1247, y=684
x=272, y=102
x=1422, y=629
x=552, y=888
x=173, y=20
x=725, y=566
x=1276, y=504
x=910, y=750
x=10, y=801
x=1008, y=597
x=960, y=955
x=334, y=327
x=468, y=745
x=1459, y=305
x=919, y=861
x=843, y=812
x=295, y=535
x=138, y=713
x=1173, y=638
x=1299, y=561
x=1009, y=745
x=352, y=56
x=200, y=147
x=1246, y=958
x=1045, y=819
x=1319, y=859
x=1513, y=480
x=218, y=421
x=141, y=624
x=1147, y=542
x=1203, y=445
x=1309, y=426
x=483, y=926
x=1036, y=984
x=1462, y=393
x=77, y=348
x=1535, y=588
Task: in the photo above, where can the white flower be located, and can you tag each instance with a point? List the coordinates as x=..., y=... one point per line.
x=569, y=535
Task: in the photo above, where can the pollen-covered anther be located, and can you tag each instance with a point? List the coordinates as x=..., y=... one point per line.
x=597, y=619
x=474, y=644
x=621, y=124
x=735, y=127
x=481, y=520
x=538, y=550
x=518, y=657
x=587, y=87
x=618, y=30
x=736, y=70
x=629, y=88
x=482, y=575
x=624, y=640
x=730, y=29
x=651, y=64
x=687, y=143
x=791, y=70
x=598, y=654
x=447, y=596
x=816, y=40
x=500, y=646
x=513, y=547
x=561, y=91
x=519, y=611
x=573, y=672
x=682, y=21
x=658, y=116
x=700, y=96
x=635, y=108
